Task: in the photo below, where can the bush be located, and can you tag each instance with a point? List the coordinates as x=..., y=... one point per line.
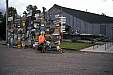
x=74, y=40
x=77, y=41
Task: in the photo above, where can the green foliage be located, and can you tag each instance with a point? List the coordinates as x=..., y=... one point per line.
x=76, y=46
x=33, y=8
x=74, y=40
x=12, y=11
x=2, y=26
x=25, y=12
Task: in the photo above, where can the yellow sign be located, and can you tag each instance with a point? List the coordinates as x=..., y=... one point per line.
x=23, y=23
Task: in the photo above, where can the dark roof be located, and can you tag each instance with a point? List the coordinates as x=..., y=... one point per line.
x=87, y=16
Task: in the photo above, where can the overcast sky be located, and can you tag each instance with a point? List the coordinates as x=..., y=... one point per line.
x=93, y=6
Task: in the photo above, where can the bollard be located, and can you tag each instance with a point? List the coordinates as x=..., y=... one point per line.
x=110, y=44
x=93, y=47
x=105, y=46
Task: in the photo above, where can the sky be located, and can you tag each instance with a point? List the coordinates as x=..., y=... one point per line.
x=93, y=6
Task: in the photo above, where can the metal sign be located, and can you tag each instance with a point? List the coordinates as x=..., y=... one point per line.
x=62, y=20
x=23, y=23
x=63, y=29
x=10, y=18
x=56, y=16
x=30, y=13
x=35, y=25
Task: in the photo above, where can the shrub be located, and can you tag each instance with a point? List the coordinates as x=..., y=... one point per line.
x=74, y=40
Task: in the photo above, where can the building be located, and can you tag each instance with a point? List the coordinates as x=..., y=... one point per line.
x=84, y=22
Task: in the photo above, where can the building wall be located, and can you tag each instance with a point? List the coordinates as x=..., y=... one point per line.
x=88, y=28
x=54, y=12
x=83, y=26
x=109, y=30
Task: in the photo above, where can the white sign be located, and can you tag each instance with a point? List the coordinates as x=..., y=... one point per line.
x=62, y=20
x=47, y=29
x=63, y=29
x=37, y=17
x=10, y=18
x=56, y=16
x=30, y=13
x=35, y=25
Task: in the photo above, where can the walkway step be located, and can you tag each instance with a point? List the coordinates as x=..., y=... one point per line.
x=106, y=48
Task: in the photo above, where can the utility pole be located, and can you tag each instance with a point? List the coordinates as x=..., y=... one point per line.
x=6, y=21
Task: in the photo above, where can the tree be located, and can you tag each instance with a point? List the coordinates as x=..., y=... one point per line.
x=2, y=26
x=44, y=12
x=103, y=14
x=29, y=7
x=1, y=17
x=33, y=9
x=25, y=12
x=12, y=12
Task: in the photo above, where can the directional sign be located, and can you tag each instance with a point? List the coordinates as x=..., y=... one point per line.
x=63, y=28
x=62, y=20
x=10, y=18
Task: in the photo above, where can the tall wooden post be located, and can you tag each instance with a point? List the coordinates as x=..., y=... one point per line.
x=6, y=21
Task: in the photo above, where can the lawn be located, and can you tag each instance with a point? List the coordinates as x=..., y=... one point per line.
x=76, y=46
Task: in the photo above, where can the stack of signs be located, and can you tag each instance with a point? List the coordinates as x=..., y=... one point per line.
x=57, y=30
x=10, y=18
x=62, y=20
x=42, y=29
x=37, y=17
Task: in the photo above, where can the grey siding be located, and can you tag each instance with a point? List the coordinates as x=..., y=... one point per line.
x=96, y=29
x=70, y=20
x=83, y=26
x=103, y=29
x=54, y=12
x=67, y=18
x=109, y=31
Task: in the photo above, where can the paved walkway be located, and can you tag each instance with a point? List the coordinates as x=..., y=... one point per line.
x=2, y=42
x=105, y=48
x=31, y=62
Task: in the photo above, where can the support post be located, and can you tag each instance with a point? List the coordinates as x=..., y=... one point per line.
x=6, y=21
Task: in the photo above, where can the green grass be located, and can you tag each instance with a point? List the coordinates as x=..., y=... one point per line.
x=76, y=46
